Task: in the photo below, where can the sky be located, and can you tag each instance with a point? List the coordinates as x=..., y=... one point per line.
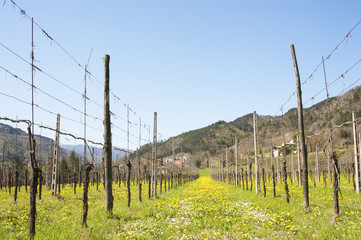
x=192, y=62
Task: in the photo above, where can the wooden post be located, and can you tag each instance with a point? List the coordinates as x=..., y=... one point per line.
x=273, y=181
x=255, y=151
x=359, y=160
x=236, y=158
x=97, y=179
x=54, y=174
x=40, y=183
x=107, y=149
x=227, y=165
x=16, y=185
x=292, y=177
x=161, y=183
x=242, y=178
x=26, y=180
x=250, y=175
x=277, y=170
x=298, y=161
x=356, y=158
x=154, y=157
x=317, y=171
x=149, y=186
x=246, y=176
x=301, y=132
x=3, y=168
x=49, y=166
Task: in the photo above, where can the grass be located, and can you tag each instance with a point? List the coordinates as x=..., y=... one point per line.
x=202, y=209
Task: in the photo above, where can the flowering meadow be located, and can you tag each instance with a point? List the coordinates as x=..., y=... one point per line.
x=202, y=209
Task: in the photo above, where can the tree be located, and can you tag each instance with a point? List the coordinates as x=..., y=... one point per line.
x=63, y=166
x=74, y=161
x=198, y=163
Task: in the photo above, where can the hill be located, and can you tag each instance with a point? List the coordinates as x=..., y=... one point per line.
x=272, y=130
x=211, y=140
x=98, y=151
x=16, y=143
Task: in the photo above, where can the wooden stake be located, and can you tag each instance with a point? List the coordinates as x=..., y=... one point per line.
x=227, y=165
x=255, y=151
x=301, y=132
x=317, y=171
x=298, y=161
x=107, y=149
x=236, y=157
x=154, y=157
x=356, y=157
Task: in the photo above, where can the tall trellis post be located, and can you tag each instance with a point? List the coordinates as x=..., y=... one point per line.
x=255, y=151
x=54, y=176
x=301, y=131
x=107, y=149
x=154, y=157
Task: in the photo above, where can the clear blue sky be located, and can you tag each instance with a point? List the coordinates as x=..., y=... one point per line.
x=194, y=62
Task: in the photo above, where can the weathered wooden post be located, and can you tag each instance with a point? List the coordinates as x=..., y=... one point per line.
x=250, y=175
x=273, y=181
x=161, y=183
x=16, y=185
x=97, y=179
x=154, y=157
x=149, y=186
x=246, y=176
x=317, y=170
x=255, y=151
x=54, y=174
x=301, y=132
x=298, y=161
x=227, y=165
x=236, y=157
x=107, y=149
x=9, y=181
x=356, y=156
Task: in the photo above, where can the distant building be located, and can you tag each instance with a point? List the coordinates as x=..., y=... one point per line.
x=168, y=161
x=277, y=149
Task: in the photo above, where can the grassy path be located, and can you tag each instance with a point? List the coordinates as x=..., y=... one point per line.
x=202, y=209
x=206, y=209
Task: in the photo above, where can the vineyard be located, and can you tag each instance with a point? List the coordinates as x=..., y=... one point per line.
x=201, y=209
x=78, y=162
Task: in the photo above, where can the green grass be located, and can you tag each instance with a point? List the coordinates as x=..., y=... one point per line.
x=202, y=209
x=204, y=173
